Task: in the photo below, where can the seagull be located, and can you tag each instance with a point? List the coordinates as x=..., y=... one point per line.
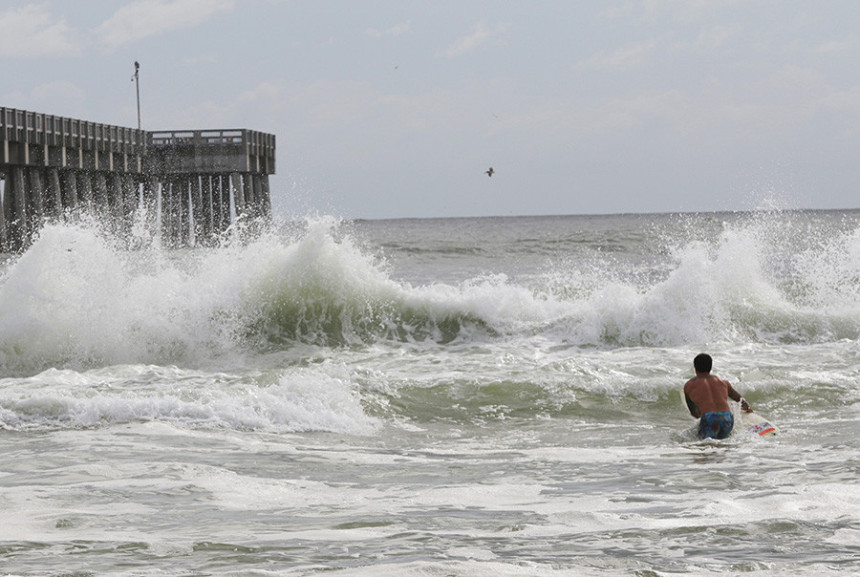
x=489, y=172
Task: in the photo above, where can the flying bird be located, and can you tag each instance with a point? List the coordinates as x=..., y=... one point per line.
x=489, y=172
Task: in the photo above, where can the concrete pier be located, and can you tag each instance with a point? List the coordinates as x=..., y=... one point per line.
x=195, y=183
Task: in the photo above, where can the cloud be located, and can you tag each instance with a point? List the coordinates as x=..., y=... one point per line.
x=59, y=90
x=716, y=37
x=480, y=36
x=144, y=18
x=625, y=57
x=846, y=45
x=396, y=30
x=689, y=10
x=204, y=114
x=266, y=99
x=32, y=32
x=57, y=97
x=263, y=92
x=199, y=59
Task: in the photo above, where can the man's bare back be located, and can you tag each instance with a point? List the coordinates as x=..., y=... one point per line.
x=707, y=393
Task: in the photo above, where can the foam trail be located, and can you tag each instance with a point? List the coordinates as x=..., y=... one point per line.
x=295, y=400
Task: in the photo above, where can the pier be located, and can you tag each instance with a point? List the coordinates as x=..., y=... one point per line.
x=189, y=185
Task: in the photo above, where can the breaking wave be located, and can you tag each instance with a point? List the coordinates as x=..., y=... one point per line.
x=76, y=300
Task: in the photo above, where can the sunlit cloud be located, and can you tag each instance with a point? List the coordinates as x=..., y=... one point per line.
x=843, y=45
x=480, y=36
x=55, y=96
x=144, y=18
x=31, y=31
x=624, y=57
x=396, y=30
x=265, y=91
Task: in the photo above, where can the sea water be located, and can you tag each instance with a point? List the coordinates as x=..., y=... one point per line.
x=454, y=397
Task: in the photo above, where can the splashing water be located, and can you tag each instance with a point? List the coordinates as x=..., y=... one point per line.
x=76, y=300
x=467, y=397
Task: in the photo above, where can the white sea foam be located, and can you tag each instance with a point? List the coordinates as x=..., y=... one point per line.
x=75, y=300
x=299, y=399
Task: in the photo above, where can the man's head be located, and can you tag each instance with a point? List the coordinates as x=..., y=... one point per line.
x=703, y=363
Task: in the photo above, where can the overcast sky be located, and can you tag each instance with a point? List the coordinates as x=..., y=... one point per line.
x=395, y=108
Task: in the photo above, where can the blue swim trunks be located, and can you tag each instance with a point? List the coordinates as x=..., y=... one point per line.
x=716, y=425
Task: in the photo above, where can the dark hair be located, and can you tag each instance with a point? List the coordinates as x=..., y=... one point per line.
x=703, y=363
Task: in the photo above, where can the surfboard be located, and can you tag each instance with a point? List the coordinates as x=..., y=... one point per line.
x=757, y=424
x=753, y=423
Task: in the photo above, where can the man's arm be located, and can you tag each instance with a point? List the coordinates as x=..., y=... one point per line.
x=736, y=396
x=694, y=410
x=691, y=406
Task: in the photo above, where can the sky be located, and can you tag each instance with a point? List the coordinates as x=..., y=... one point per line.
x=396, y=108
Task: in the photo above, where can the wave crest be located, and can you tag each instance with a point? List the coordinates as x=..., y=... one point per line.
x=75, y=300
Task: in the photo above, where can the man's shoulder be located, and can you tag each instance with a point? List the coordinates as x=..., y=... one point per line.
x=705, y=381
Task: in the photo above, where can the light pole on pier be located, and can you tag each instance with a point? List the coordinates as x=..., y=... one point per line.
x=136, y=79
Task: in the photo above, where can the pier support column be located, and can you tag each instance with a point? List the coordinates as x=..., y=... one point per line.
x=191, y=208
x=160, y=204
x=265, y=197
x=164, y=209
x=150, y=188
x=169, y=210
x=182, y=208
x=100, y=193
x=70, y=191
x=85, y=182
x=255, y=190
x=18, y=220
x=248, y=190
x=150, y=197
x=208, y=206
x=55, y=193
x=237, y=193
x=198, y=202
x=130, y=196
x=36, y=198
x=115, y=195
x=224, y=215
x=4, y=233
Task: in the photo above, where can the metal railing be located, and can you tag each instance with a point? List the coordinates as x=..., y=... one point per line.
x=260, y=142
x=37, y=128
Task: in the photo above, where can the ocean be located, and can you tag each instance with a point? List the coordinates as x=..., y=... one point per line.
x=453, y=397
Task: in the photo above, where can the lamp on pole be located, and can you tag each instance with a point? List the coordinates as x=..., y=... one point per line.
x=136, y=79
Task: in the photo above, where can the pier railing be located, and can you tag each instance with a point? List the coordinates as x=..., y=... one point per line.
x=23, y=126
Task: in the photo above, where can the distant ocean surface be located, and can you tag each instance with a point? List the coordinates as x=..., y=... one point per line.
x=455, y=397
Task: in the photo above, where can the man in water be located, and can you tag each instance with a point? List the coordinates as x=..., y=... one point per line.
x=707, y=398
